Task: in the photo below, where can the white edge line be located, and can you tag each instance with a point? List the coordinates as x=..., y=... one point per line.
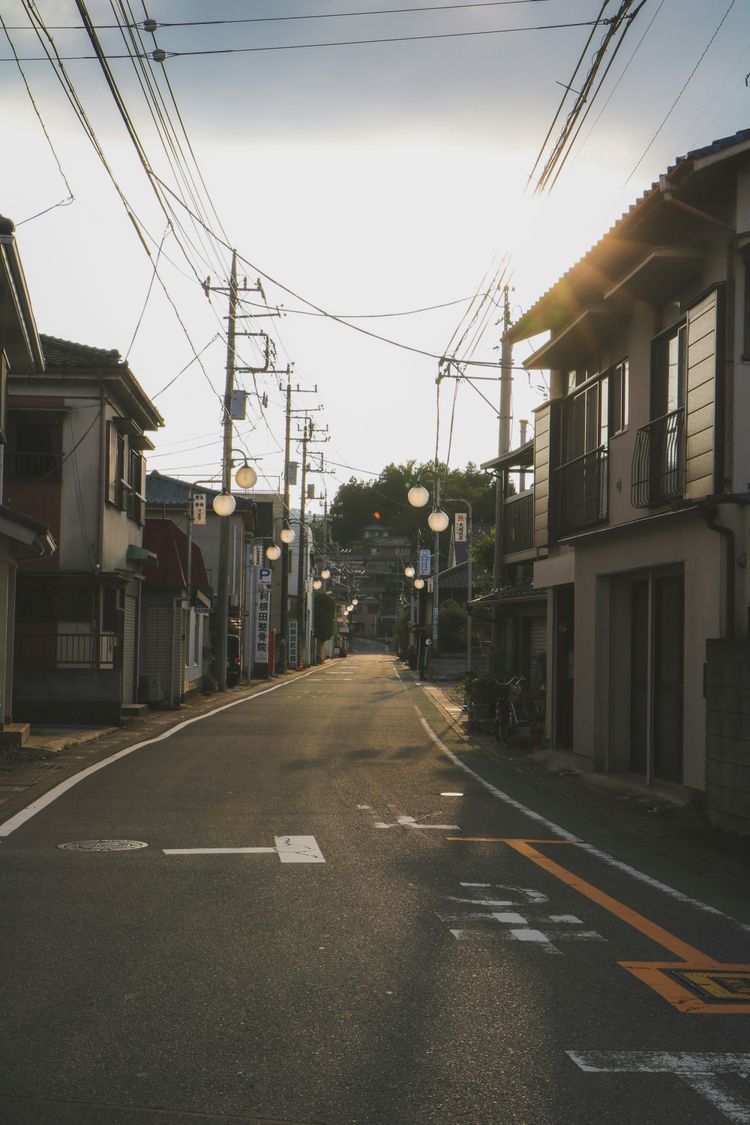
x=605, y=857
x=218, y=851
x=20, y=818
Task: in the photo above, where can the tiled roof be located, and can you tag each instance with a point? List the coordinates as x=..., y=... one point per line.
x=714, y=147
x=67, y=353
x=171, y=492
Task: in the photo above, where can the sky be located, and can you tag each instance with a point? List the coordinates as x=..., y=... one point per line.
x=368, y=179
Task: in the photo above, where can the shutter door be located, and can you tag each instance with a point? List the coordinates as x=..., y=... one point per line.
x=128, y=649
x=538, y=636
x=700, y=400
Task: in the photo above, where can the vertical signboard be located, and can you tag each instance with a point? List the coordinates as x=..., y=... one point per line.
x=292, y=655
x=199, y=509
x=425, y=562
x=459, y=533
x=262, y=615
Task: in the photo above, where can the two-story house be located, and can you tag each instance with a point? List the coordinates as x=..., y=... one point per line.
x=21, y=537
x=74, y=459
x=170, y=498
x=641, y=468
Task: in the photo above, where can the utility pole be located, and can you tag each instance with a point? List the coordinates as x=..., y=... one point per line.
x=506, y=388
x=284, y=547
x=222, y=608
x=306, y=435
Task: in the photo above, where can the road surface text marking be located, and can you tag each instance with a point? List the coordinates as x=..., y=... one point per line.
x=482, y=909
x=677, y=982
x=704, y=1073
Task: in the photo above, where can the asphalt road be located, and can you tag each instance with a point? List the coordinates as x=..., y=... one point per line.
x=411, y=935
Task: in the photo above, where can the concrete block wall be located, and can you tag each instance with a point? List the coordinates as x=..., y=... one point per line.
x=727, y=679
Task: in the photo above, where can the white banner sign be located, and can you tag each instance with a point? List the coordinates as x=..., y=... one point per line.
x=425, y=562
x=292, y=649
x=460, y=527
x=262, y=622
x=199, y=509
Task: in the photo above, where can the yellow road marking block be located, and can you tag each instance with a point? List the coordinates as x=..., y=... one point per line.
x=681, y=983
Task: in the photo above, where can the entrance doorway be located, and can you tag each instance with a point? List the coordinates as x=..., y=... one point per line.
x=656, y=674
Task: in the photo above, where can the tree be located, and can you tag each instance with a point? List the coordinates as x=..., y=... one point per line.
x=356, y=502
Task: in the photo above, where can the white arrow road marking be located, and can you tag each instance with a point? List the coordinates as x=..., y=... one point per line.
x=298, y=849
x=289, y=849
x=696, y=1070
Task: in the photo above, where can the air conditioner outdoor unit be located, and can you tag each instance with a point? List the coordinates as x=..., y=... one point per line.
x=150, y=687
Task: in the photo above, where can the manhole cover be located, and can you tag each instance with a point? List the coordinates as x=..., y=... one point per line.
x=103, y=845
x=727, y=985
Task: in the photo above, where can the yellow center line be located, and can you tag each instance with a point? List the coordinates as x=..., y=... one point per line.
x=631, y=917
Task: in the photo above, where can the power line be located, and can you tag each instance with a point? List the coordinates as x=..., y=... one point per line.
x=668, y=114
x=70, y=197
x=153, y=25
x=160, y=56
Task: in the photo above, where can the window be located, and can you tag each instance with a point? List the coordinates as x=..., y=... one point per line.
x=619, y=390
x=137, y=487
x=115, y=466
x=34, y=447
x=668, y=371
x=583, y=423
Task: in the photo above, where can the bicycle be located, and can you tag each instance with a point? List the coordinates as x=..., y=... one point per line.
x=508, y=709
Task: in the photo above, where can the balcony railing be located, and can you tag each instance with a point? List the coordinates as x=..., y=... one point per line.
x=583, y=495
x=658, y=474
x=518, y=523
x=64, y=650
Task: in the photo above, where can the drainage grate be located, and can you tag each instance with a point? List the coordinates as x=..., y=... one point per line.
x=726, y=985
x=103, y=845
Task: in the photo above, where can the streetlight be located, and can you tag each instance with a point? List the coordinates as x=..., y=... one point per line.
x=246, y=476
x=419, y=583
x=273, y=552
x=438, y=520
x=409, y=571
x=287, y=535
x=325, y=573
x=418, y=496
x=224, y=503
x=317, y=584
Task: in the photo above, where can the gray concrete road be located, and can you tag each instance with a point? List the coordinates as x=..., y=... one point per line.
x=341, y=915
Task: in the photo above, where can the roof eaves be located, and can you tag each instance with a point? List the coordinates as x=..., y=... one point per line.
x=530, y=323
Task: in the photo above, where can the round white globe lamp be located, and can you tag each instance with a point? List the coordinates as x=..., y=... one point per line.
x=246, y=476
x=419, y=583
x=409, y=571
x=438, y=520
x=355, y=601
x=317, y=584
x=417, y=496
x=287, y=535
x=325, y=572
x=224, y=504
x=273, y=552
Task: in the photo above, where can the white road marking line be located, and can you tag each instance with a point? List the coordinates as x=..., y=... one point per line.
x=517, y=895
x=298, y=849
x=14, y=822
x=603, y=856
x=218, y=851
x=698, y=1071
